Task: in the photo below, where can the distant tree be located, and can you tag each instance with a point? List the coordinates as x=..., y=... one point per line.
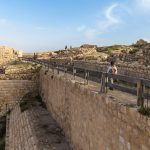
x=35, y=56
x=65, y=47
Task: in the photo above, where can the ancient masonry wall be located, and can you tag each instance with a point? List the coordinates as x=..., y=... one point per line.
x=8, y=54
x=20, y=133
x=93, y=121
x=129, y=70
x=12, y=91
x=34, y=129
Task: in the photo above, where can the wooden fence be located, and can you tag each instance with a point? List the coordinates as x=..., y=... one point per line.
x=132, y=85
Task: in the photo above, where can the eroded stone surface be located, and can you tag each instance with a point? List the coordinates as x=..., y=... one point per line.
x=94, y=121
x=34, y=129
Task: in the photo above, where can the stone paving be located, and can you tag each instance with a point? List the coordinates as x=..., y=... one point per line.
x=34, y=129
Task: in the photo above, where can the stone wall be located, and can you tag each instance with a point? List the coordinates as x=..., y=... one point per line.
x=20, y=132
x=8, y=54
x=93, y=121
x=34, y=129
x=124, y=69
x=13, y=90
x=146, y=55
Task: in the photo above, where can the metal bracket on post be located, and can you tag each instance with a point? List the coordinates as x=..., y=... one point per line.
x=103, y=83
x=140, y=94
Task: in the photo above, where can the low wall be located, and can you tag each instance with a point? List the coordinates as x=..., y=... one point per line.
x=124, y=69
x=93, y=121
x=13, y=90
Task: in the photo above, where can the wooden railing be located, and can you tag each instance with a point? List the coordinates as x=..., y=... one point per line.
x=136, y=86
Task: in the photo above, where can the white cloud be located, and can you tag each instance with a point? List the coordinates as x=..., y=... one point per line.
x=3, y=21
x=111, y=19
x=144, y=4
x=146, y=39
x=108, y=21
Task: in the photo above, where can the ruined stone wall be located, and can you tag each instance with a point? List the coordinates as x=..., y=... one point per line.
x=93, y=121
x=13, y=90
x=8, y=54
x=124, y=69
x=133, y=71
x=34, y=128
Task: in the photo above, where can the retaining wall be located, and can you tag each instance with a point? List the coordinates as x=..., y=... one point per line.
x=13, y=90
x=93, y=121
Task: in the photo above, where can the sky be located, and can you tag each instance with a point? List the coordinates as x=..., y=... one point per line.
x=42, y=25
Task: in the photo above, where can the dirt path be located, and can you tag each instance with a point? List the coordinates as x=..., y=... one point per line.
x=50, y=136
x=120, y=96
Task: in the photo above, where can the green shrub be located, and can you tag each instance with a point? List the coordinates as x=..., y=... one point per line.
x=133, y=51
x=144, y=111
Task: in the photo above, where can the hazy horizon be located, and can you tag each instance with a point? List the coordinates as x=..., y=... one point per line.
x=36, y=25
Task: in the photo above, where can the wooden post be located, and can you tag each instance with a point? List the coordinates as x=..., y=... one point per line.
x=140, y=93
x=103, y=83
x=58, y=69
x=48, y=66
x=65, y=70
x=86, y=77
x=53, y=68
x=74, y=72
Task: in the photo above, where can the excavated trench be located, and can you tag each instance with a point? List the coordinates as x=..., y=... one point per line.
x=30, y=121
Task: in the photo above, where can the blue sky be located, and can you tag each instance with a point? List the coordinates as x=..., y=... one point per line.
x=41, y=25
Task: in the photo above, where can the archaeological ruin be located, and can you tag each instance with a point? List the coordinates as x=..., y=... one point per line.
x=63, y=103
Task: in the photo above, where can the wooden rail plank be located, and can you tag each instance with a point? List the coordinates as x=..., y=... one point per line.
x=124, y=89
x=124, y=78
x=80, y=71
x=146, y=82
